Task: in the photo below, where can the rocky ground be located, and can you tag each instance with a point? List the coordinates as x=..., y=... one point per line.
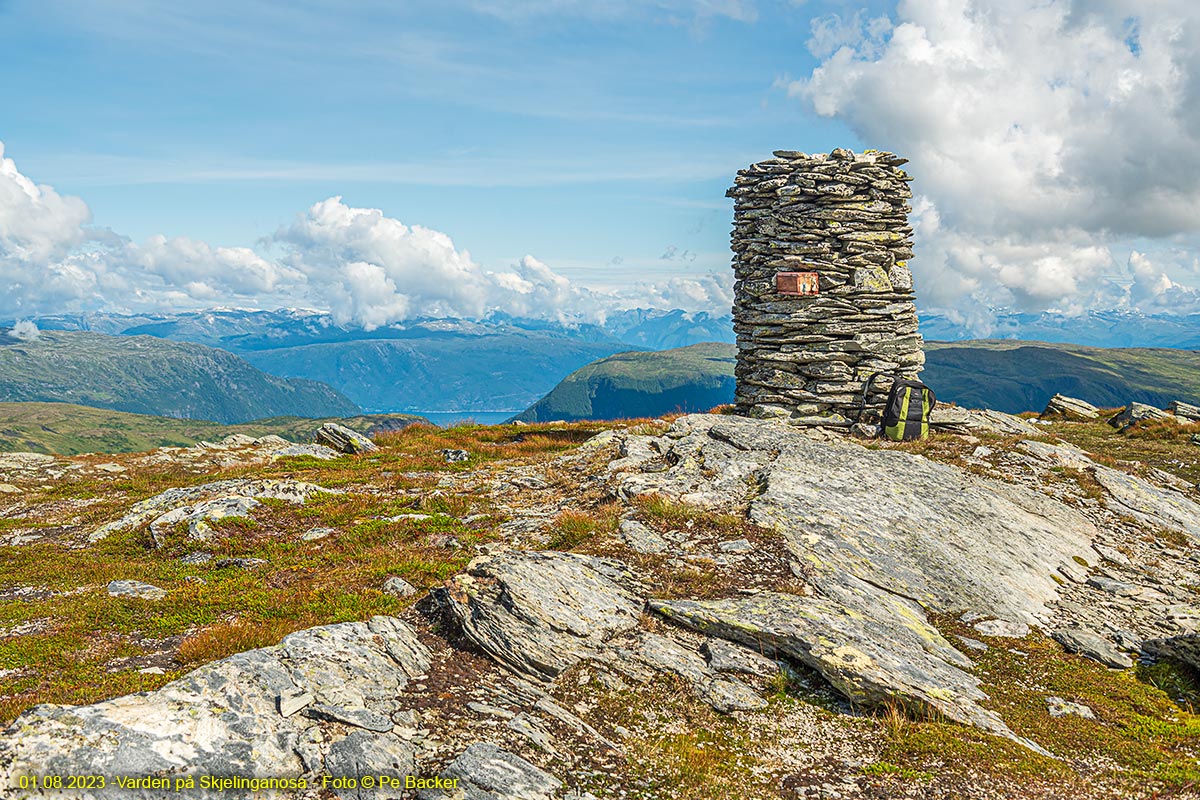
x=698, y=607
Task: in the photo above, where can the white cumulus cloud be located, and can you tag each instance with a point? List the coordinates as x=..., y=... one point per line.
x=1152, y=288
x=371, y=269
x=25, y=330
x=1046, y=136
x=366, y=268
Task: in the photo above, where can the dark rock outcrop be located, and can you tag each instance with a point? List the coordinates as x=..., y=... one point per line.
x=1069, y=408
x=342, y=439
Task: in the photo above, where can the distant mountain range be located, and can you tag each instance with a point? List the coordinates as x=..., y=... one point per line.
x=1115, y=328
x=147, y=375
x=1002, y=375
x=507, y=363
x=499, y=364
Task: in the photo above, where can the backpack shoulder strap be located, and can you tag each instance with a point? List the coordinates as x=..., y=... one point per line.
x=862, y=401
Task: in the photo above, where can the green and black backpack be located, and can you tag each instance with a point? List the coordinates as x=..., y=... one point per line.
x=909, y=404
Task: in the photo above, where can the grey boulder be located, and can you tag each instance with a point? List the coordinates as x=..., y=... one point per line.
x=485, y=772
x=1092, y=645
x=1185, y=411
x=228, y=717
x=1069, y=407
x=317, y=451
x=145, y=591
x=398, y=587
x=342, y=439
x=1058, y=707
x=541, y=612
x=641, y=537
x=889, y=653
x=1138, y=412
x=207, y=501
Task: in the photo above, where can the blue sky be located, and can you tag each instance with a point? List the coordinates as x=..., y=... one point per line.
x=579, y=135
x=588, y=141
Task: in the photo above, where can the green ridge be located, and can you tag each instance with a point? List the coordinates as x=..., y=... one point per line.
x=145, y=375
x=640, y=384
x=1004, y=375
x=66, y=429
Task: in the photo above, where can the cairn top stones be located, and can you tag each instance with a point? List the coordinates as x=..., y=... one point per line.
x=823, y=296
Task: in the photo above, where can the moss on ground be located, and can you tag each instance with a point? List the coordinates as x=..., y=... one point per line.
x=1140, y=741
x=85, y=646
x=1166, y=446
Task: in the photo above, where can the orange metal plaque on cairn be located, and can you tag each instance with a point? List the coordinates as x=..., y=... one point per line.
x=796, y=283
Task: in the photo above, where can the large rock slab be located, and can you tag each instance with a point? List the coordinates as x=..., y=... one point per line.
x=954, y=419
x=485, y=772
x=1186, y=412
x=129, y=588
x=1164, y=506
x=703, y=470
x=208, y=501
x=1148, y=503
x=948, y=539
x=1138, y=412
x=888, y=537
x=1058, y=455
x=541, y=612
x=343, y=439
x=1069, y=407
x=999, y=422
x=225, y=718
x=198, y=517
x=1092, y=645
x=888, y=654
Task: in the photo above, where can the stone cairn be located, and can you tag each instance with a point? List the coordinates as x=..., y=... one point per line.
x=823, y=295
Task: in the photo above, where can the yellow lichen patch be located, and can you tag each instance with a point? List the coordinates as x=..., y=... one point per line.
x=852, y=656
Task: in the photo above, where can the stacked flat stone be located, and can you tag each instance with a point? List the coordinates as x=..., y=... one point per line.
x=844, y=217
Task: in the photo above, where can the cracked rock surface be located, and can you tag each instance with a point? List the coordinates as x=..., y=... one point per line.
x=224, y=718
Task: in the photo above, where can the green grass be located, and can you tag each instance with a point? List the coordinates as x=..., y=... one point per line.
x=883, y=768
x=1141, y=739
x=67, y=429
x=335, y=579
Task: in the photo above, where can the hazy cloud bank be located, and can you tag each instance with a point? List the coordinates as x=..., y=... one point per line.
x=363, y=266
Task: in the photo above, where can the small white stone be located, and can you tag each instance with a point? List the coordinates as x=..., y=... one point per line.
x=145, y=591
x=1059, y=707
x=314, y=534
x=398, y=587
x=291, y=702
x=1003, y=628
